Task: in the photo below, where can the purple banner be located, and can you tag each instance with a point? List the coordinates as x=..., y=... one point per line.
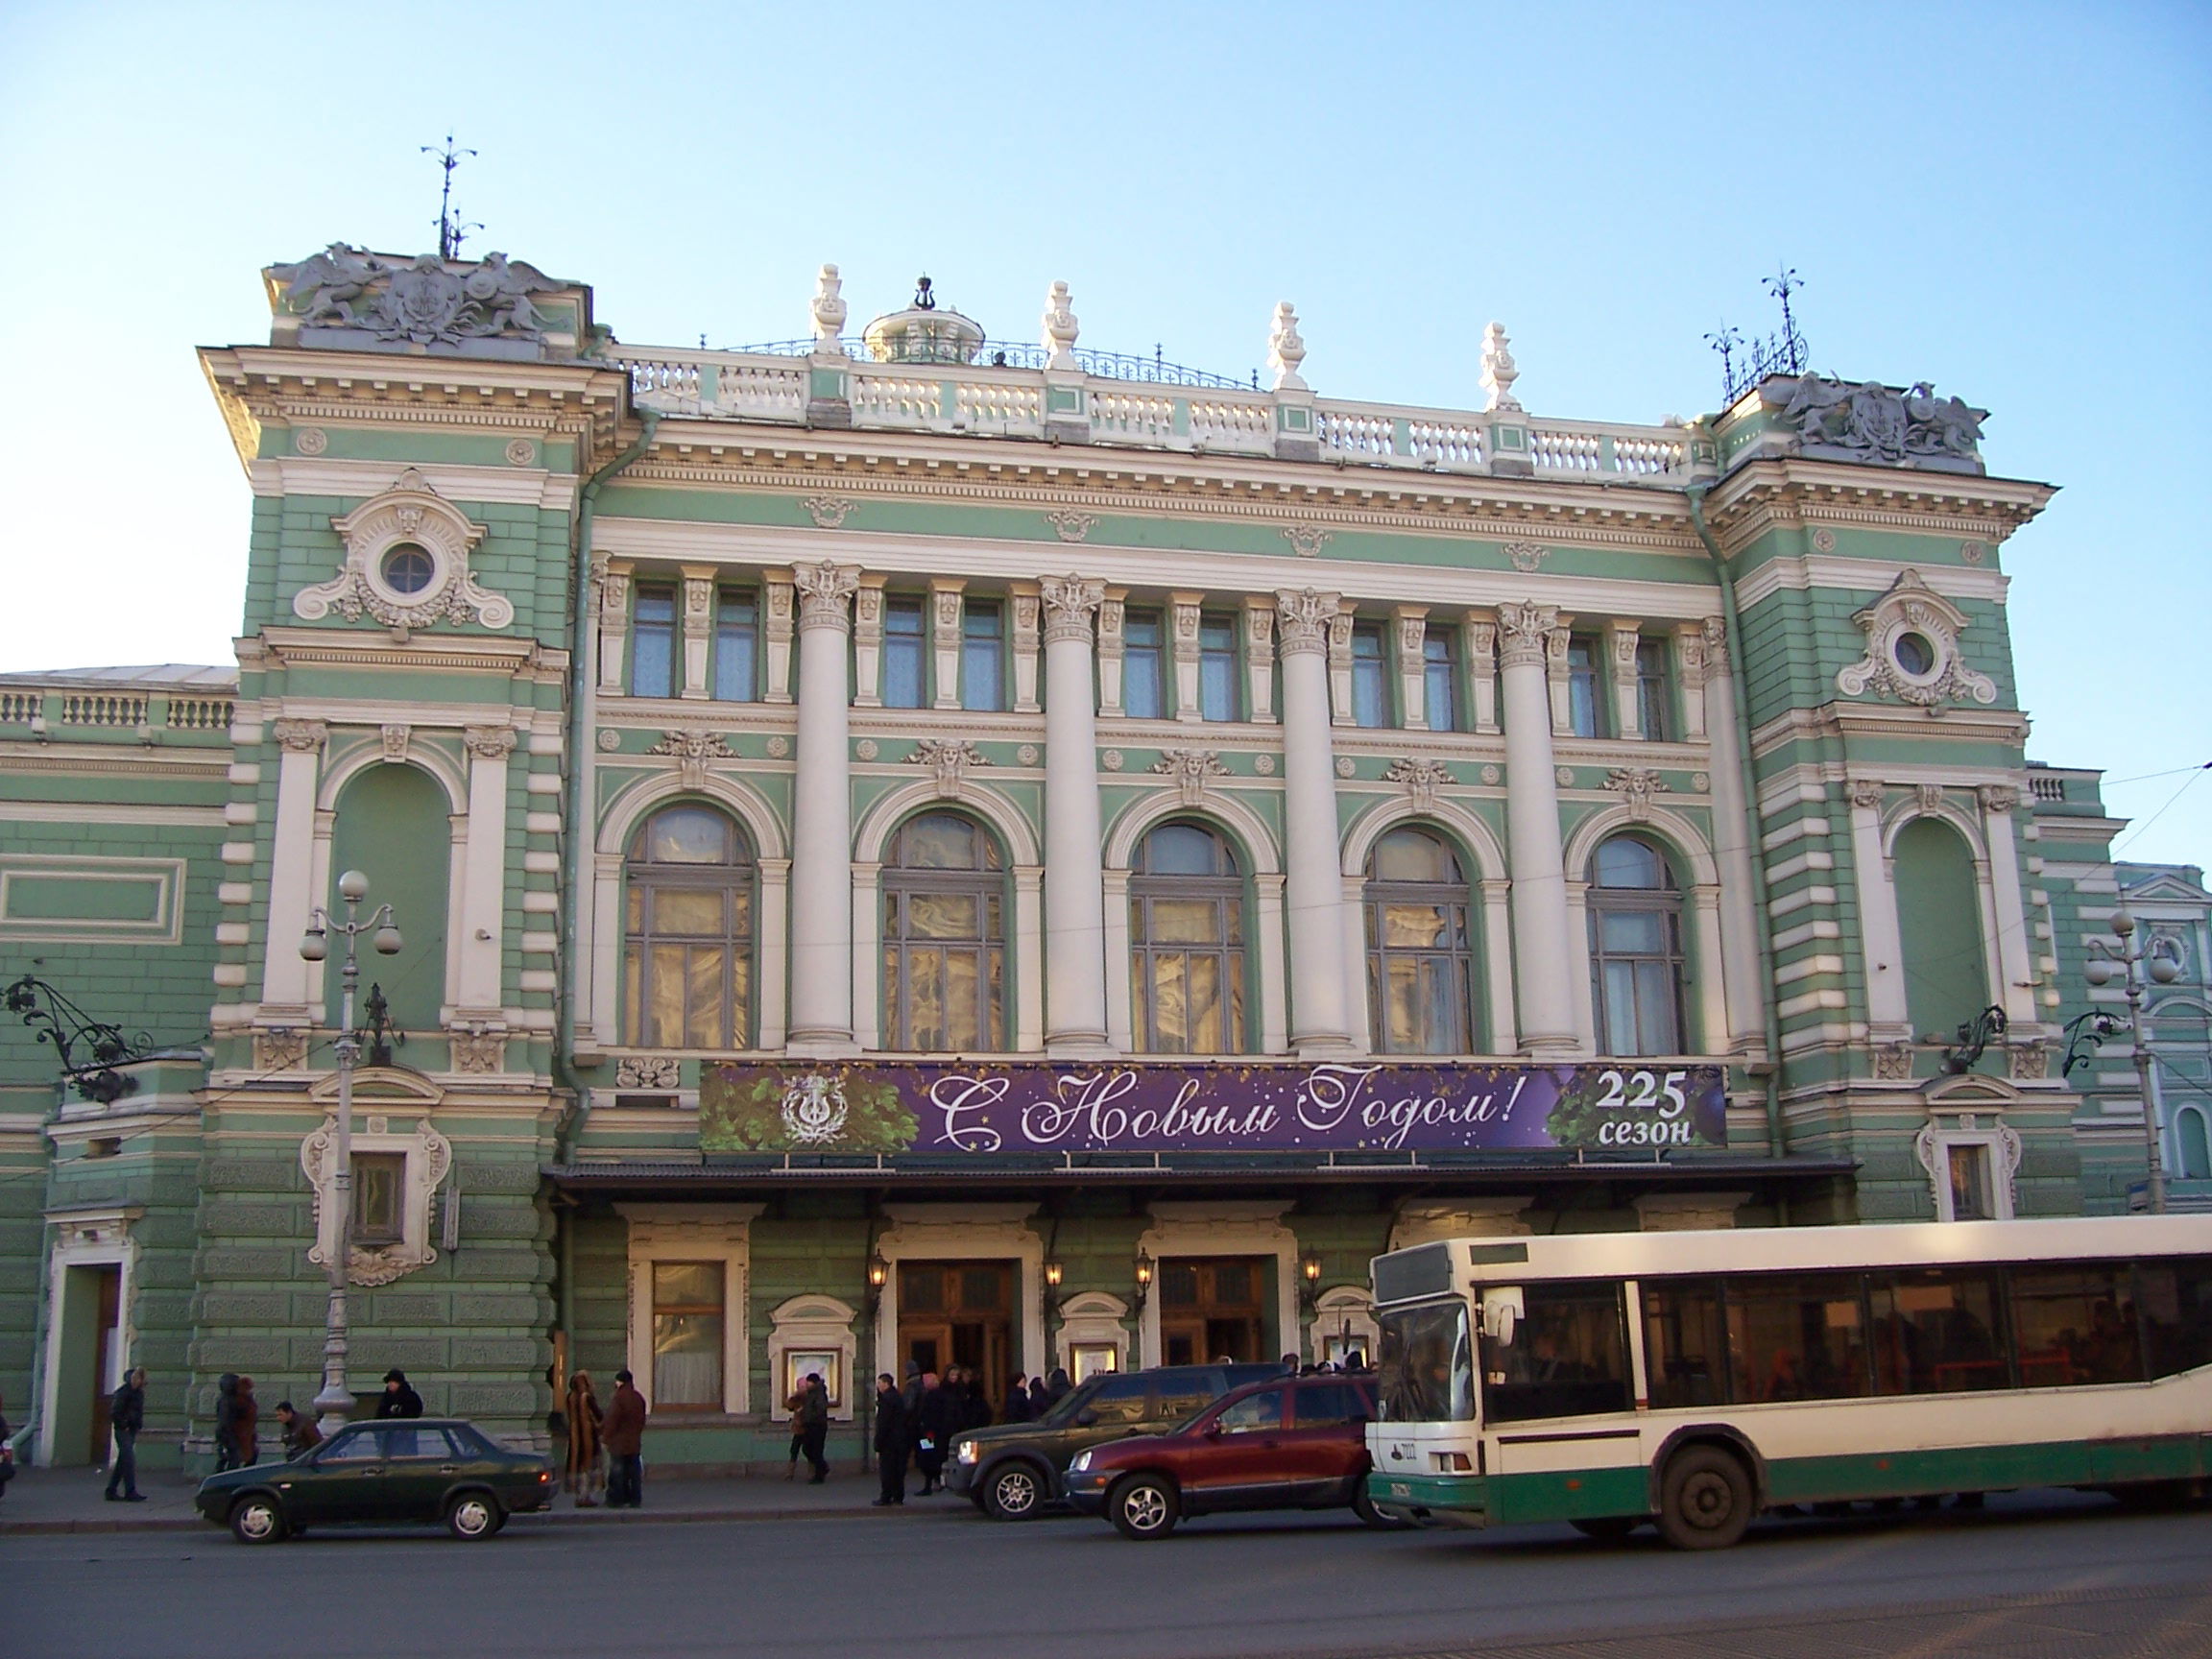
x=1165, y=1106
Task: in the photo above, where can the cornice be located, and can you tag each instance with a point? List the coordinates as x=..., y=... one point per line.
x=137, y=760
x=327, y=475
x=1868, y=576
x=1888, y=720
x=325, y=647
x=1787, y=492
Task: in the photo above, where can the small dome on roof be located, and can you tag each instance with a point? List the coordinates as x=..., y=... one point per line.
x=922, y=333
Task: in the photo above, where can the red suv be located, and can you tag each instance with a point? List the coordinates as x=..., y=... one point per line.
x=1294, y=1443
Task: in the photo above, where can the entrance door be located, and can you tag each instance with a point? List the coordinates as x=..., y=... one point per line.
x=959, y=1313
x=1210, y=1310
x=104, y=1357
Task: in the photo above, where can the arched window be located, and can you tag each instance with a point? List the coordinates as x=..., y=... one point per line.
x=2194, y=1162
x=1187, y=942
x=688, y=952
x=943, y=937
x=1635, y=948
x=1419, y=968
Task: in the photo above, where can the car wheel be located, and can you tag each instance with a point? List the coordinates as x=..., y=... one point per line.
x=1014, y=1492
x=473, y=1515
x=257, y=1520
x=1364, y=1507
x=1144, y=1506
x=1705, y=1501
x=1607, y=1528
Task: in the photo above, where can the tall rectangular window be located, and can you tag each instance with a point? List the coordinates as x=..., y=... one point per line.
x=982, y=655
x=1143, y=675
x=653, y=643
x=1440, y=681
x=1652, y=703
x=1585, y=687
x=1218, y=698
x=378, y=1178
x=905, y=654
x=737, y=646
x=687, y=1312
x=1370, y=686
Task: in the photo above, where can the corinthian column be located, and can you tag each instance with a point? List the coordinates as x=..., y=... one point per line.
x=1540, y=941
x=1074, y=872
x=822, y=817
x=1313, y=891
x=1732, y=851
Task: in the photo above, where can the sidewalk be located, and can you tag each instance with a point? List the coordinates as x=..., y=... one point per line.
x=70, y=1500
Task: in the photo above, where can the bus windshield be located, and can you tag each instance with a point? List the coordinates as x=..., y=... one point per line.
x=1427, y=1374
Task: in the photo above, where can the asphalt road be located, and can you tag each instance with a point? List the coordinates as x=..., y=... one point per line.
x=2049, y=1574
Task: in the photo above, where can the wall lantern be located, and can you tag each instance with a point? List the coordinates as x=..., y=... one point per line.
x=1144, y=1279
x=1310, y=1281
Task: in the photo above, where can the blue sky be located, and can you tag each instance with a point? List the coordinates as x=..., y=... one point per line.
x=2011, y=202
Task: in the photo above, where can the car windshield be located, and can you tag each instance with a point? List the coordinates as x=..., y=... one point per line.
x=1428, y=1364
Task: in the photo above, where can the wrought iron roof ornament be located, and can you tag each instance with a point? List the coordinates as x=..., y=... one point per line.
x=924, y=298
x=1783, y=353
x=452, y=232
x=60, y=1022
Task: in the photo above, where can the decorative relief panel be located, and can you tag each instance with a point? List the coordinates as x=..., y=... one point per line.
x=406, y=564
x=1912, y=649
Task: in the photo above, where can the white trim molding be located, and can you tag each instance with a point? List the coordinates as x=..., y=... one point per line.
x=692, y=1233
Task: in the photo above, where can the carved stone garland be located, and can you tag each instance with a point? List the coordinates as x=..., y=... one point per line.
x=1911, y=609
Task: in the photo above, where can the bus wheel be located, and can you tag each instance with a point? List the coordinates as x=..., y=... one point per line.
x=1705, y=1501
x=1607, y=1528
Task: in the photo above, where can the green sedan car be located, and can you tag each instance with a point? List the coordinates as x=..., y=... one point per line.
x=382, y=1475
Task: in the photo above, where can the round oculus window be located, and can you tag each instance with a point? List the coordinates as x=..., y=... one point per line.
x=408, y=569
x=1915, y=654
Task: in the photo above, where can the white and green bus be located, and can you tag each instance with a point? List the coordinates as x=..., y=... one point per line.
x=1695, y=1379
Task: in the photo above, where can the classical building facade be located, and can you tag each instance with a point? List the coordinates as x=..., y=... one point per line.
x=919, y=848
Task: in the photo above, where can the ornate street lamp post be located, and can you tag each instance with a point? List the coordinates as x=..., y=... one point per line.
x=2107, y=963
x=336, y=1401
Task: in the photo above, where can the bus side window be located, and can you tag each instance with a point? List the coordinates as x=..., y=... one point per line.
x=1935, y=1332
x=1685, y=1349
x=1568, y=1357
x=2075, y=1324
x=2176, y=1299
x=1798, y=1336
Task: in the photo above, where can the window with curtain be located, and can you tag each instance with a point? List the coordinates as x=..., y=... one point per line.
x=653, y=641
x=1420, y=966
x=1440, y=681
x=1654, y=708
x=1586, y=687
x=687, y=949
x=1218, y=698
x=379, y=1181
x=687, y=1314
x=1143, y=670
x=1635, y=948
x=1187, y=942
x=905, y=654
x=1370, y=675
x=737, y=646
x=982, y=655
x=943, y=937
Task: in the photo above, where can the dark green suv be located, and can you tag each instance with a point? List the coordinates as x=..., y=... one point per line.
x=382, y=1474
x=1013, y=1470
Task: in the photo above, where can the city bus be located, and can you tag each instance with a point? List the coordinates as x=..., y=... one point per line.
x=1696, y=1378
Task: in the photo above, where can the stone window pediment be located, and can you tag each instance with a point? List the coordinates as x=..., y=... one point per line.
x=406, y=564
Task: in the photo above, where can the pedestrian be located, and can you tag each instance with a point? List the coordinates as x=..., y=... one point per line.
x=890, y=1442
x=299, y=1433
x=249, y=1425
x=1040, y=1398
x=932, y=1424
x=398, y=1400
x=795, y=1410
x=1059, y=1387
x=624, y=1431
x=126, y=1416
x=974, y=1403
x=586, y=1470
x=814, y=1425
x=226, y=1422
x=1018, y=1399
x=1290, y=1362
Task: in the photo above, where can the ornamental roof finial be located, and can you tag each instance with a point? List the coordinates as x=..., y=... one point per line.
x=830, y=311
x=1287, y=349
x=1060, y=327
x=1497, y=371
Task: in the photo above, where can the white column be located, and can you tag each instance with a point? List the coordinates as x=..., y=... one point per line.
x=1313, y=864
x=1408, y=632
x=1710, y=988
x=1029, y=951
x=698, y=626
x=1880, y=936
x=1358, y=1018
x=1259, y=659
x=2015, y=990
x=775, y=980
x=1121, y=1012
x=945, y=637
x=483, y=872
x=614, y=623
x=1621, y=642
x=1732, y=848
x=822, y=817
x=1542, y=946
x=1481, y=638
x=1183, y=612
x=285, y=976
x=1025, y=606
x=1074, y=874
x=1267, y=937
x=1498, y=968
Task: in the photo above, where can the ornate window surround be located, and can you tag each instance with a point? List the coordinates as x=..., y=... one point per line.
x=1912, y=608
x=1222, y=1227
x=693, y=1233
x=960, y=1232
x=1339, y=1309
x=410, y=512
x=429, y=1156
x=817, y=1323
x=1969, y=1110
x=1092, y=1319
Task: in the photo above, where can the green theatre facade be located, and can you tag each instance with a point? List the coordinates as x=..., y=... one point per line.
x=912, y=848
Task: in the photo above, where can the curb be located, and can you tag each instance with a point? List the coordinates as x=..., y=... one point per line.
x=556, y=1517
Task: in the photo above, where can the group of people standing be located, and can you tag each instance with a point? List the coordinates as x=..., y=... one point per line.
x=605, y=1446
x=916, y=1424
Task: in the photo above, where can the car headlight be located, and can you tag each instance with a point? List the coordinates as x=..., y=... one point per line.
x=1081, y=1463
x=965, y=1452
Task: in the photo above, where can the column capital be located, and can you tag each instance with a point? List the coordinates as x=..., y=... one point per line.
x=1068, y=603
x=1523, y=629
x=824, y=592
x=491, y=742
x=1303, y=617
x=1716, y=646
x=301, y=736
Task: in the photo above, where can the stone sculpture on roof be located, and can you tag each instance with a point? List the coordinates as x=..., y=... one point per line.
x=1838, y=420
x=423, y=301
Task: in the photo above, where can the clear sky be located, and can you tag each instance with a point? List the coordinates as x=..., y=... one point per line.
x=2008, y=201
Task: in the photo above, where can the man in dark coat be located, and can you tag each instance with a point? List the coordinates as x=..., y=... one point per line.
x=890, y=1441
x=226, y=1422
x=1018, y=1399
x=932, y=1426
x=624, y=1432
x=397, y=1400
x=126, y=1416
x=814, y=1425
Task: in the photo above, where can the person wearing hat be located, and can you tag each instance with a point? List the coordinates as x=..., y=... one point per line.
x=398, y=1399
